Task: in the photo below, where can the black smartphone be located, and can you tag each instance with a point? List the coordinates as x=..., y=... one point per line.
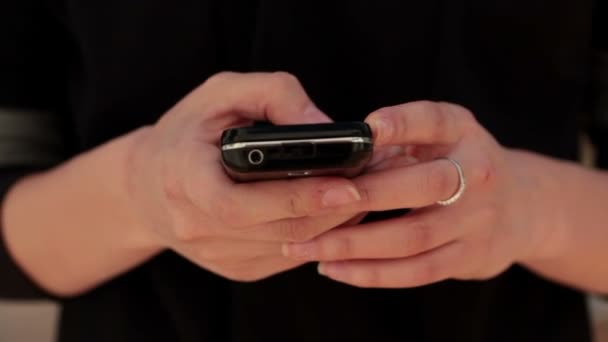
x=274, y=152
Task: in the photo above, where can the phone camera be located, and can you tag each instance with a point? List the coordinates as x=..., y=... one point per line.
x=255, y=157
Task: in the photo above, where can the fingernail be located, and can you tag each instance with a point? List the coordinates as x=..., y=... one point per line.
x=382, y=127
x=321, y=269
x=340, y=196
x=312, y=114
x=299, y=251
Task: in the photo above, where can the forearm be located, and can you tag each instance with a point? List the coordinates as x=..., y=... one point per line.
x=572, y=202
x=71, y=228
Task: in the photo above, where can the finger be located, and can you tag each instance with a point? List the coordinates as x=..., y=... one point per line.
x=393, y=163
x=258, y=268
x=429, y=152
x=275, y=97
x=384, y=153
x=424, y=269
x=225, y=250
x=248, y=204
x=354, y=220
x=414, y=186
x=396, y=238
x=421, y=122
x=293, y=230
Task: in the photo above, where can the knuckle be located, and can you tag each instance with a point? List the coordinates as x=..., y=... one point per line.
x=438, y=119
x=465, y=119
x=219, y=78
x=397, y=124
x=425, y=104
x=466, y=115
x=422, y=107
x=284, y=80
x=463, y=114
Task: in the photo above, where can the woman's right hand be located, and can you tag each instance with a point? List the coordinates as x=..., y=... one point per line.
x=185, y=202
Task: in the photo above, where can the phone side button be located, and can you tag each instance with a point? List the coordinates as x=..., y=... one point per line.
x=299, y=173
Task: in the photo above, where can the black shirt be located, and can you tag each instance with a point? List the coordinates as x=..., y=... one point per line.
x=103, y=68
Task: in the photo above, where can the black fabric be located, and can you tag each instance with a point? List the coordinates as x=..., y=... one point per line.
x=598, y=90
x=108, y=67
x=598, y=111
x=34, y=55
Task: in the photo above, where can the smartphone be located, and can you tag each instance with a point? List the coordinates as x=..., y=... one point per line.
x=274, y=152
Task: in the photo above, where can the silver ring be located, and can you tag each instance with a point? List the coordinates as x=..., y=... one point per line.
x=461, y=186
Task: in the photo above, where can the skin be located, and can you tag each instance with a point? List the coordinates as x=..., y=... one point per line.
x=163, y=188
x=518, y=208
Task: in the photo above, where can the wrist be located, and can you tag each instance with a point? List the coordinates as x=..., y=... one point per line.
x=73, y=227
x=128, y=154
x=545, y=213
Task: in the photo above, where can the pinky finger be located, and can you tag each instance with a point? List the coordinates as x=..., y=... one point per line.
x=427, y=268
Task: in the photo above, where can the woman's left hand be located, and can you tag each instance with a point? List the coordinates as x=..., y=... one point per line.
x=495, y=223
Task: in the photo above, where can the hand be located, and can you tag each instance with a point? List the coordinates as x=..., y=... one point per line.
x=185, y=202
x=493, y=225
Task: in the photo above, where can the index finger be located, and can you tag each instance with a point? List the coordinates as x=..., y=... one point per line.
x=413, y=186
x=247, y=204
x=422, y=123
